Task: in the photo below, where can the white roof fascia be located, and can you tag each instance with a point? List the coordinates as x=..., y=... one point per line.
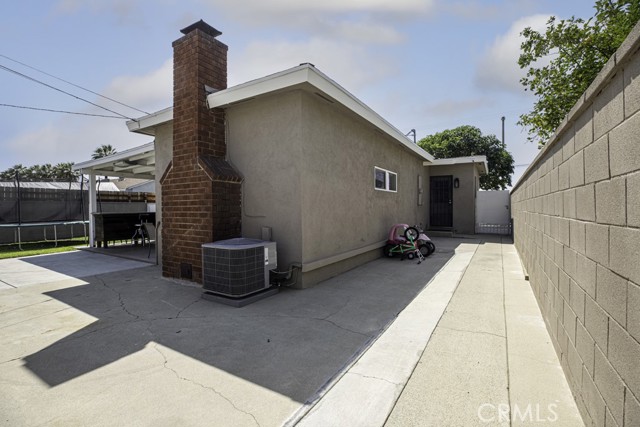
x=97, y=164
x=481, y=160
x=307, y=74
x=145, y=124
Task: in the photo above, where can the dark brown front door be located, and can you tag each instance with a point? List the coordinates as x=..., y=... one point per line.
x=441, y=201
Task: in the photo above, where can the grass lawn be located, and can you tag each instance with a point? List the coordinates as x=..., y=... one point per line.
x=39, y=248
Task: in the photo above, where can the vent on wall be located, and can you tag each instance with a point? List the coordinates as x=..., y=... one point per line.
x=237, y=267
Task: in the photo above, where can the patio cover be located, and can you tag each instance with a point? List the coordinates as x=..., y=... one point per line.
x=138, y=162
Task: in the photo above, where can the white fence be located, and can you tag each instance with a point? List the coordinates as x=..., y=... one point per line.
x=493, y=212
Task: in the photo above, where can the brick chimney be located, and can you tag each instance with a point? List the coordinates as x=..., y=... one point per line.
x=201, y=192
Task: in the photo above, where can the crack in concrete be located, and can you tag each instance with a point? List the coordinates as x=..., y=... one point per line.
x=187, y=306
x=473, y=332
x=322, y=319
x=376, y=378
x=120, y=300
x=181, y=378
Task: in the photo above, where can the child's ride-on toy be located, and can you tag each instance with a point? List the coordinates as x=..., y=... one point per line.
x=409, y=242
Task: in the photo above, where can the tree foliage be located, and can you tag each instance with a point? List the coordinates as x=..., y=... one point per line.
x=62, y=172
x=575, y=50
x=468, y=141
x=103, y=151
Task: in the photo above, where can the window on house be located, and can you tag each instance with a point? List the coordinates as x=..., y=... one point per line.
x=385, y=180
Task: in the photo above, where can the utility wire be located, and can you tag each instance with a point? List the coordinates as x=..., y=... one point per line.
x=73, y=84
x=60, y=111
x=62, y=91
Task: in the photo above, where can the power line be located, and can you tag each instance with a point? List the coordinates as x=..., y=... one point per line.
x=60, y=111
x=62, y=91
x=73, y=84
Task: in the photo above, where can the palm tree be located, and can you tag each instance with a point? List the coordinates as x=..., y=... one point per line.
x=103, y=151
x=63, y=172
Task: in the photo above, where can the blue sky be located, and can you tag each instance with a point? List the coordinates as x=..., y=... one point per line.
x=430, y=65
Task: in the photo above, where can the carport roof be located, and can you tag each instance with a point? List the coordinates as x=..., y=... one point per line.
x=138, y=162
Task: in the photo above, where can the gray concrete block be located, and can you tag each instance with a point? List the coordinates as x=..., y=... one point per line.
x=610, y=386
x=631, y=411
x=567, y=144
x=609, y=420
x=554, y=179
x=624, y=354
x=558, y=200
x=559, y=254
x=570, y=261
x=584, y=129
x=628, y=48
x=569, y=203
x=593, y=399
x=633, y=313
x=597, y=323
x=585, y=346
x=563, y=231
x=596, y=160
x=569, y=322
x=632, y=86
x=624, y=252
x=564, y=285
x=611, y=201
x=633, y=200
x=576, y=169
x=611, y=292
x=578, y=236
x=576, y=300
x=597, y=243
x=608, y=106
x=586, y=274
x=563, y=176
x=586, y=203
x=574, y=362
x=624, y=146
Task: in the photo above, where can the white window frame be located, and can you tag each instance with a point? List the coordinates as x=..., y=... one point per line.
x=387, y=181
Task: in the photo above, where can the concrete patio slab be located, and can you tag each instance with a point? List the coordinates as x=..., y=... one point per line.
x=129, y=347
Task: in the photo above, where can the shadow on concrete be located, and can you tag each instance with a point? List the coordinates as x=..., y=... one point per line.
x=291, y=343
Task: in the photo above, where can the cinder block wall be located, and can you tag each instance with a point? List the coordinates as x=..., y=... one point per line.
x=576, y=218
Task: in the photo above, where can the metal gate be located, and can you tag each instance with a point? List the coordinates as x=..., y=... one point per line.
x=441, y=201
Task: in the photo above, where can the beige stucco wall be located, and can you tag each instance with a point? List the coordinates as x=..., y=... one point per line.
x=576, y=213
x=263, y=144
x=464, y=197
x=341, y=209
x=308, y=167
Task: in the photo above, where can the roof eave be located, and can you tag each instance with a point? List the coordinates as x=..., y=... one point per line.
x=146, y=124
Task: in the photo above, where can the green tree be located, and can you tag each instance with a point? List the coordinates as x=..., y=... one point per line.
x=103, y=151
x=574, y=51
x=468, y=141
x=10, y=174
x=63, y=172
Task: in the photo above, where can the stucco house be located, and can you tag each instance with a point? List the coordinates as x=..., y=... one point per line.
x=292, y=157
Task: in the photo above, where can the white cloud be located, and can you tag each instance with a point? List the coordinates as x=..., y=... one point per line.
x=350, y=65
x=498, y=68
x=481, y=10
x=70, y=139
x=150, y=92
x=453, y=107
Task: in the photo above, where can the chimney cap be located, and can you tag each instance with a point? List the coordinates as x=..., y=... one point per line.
x=202, y=26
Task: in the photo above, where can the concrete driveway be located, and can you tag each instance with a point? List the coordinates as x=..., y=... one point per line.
x=88, y=339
